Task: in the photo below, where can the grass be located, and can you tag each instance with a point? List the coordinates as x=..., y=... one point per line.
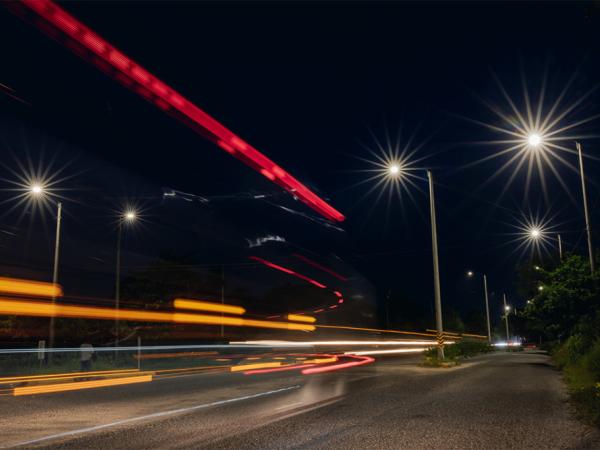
x=580, y=364
x=454, y=354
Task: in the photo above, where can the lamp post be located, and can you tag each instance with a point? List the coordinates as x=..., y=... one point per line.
x=395, y=170
x=586, y=214
x=506, y=311
x=55, y=274
x=487, y=305
x=37, y=192
x=128, y=217
x=436, y=270
x=560, y=251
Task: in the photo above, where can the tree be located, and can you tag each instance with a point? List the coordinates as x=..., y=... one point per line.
x=568, y=302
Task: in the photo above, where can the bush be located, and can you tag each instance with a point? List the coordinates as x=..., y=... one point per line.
x=462, y=349
x=580, y=363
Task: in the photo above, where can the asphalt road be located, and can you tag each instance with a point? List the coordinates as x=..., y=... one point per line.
x=498, y=401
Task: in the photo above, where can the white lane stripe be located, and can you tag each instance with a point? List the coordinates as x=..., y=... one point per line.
x=150, y=416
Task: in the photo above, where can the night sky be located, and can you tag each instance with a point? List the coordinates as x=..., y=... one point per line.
x=313, y=86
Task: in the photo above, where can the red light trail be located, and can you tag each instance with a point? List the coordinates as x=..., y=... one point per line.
x=288, y=271
x=310, y=262
x=330, y=368
x=63, y=26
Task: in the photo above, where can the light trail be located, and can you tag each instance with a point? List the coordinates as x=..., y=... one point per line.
x=153, y=416
x=184, y=303
x=301, y=318
x=243, y=367
x=288, y=271
x=107, y=58
x=386, y=352
x=310, y=262
x=78, y=385
x=377, y=330
x=28, y=287
x=39, y=309
x=142, y=348
x=361, y=360
x=175, y=355
x=321, y=360
x=278, y=369
x=58, y=376
x=458, y=335
x=336, y=343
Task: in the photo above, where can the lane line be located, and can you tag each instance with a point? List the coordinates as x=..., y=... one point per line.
x=150, y=416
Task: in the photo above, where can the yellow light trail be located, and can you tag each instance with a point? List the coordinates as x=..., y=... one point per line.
x=341, y=327
x=174, y=355
x=40, y=309
x=31, y=390
x=244, y=367
x=301, y=318
x=28, y=287
x=320, y=360
x=458, y=335
x=335, y=343
x=58, y=376
x=184, y=303
x=383, y=352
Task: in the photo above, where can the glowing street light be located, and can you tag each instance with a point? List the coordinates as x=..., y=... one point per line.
x=470, y=274
x=37, y=192
x=540, y=288
x=395, y=169
x=534, y=140
x=36, y=189
x=535, y=233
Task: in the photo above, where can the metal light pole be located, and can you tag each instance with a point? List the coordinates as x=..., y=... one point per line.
x=487, y=308
x=128, y=216
x=55, y=275
x=588, y=228
x=436, y=270
x=487, y=305
x=118, y=284
x=506, y=308
x=560, y=252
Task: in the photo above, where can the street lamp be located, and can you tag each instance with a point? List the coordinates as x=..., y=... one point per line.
x=470, y=274
x=395, y=170
x=37, y=192
x=506, y=311
x=534, y=140
x=127, y=217
x=586, y=213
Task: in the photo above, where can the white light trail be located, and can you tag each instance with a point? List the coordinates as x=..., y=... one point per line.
x=385, y=352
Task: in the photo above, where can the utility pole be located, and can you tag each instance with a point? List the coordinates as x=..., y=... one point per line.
x=54, y=278
x=560, y=251
x=487, y=308
x=436, y=270
x=118, y=285
x=588, y=228
x=506, y=319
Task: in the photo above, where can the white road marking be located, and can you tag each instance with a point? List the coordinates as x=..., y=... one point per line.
x=151, y=416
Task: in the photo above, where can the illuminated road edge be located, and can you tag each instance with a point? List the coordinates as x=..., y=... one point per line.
x=152, y=416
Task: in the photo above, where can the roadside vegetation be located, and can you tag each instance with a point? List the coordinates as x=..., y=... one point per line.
x=456, y=353
x=565, y=313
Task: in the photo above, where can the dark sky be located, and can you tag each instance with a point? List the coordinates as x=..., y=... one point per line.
x=312, y=84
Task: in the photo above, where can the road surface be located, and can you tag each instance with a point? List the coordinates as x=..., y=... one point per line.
x=497, y=401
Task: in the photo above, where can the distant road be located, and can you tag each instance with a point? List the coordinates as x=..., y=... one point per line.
x=498, y=401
